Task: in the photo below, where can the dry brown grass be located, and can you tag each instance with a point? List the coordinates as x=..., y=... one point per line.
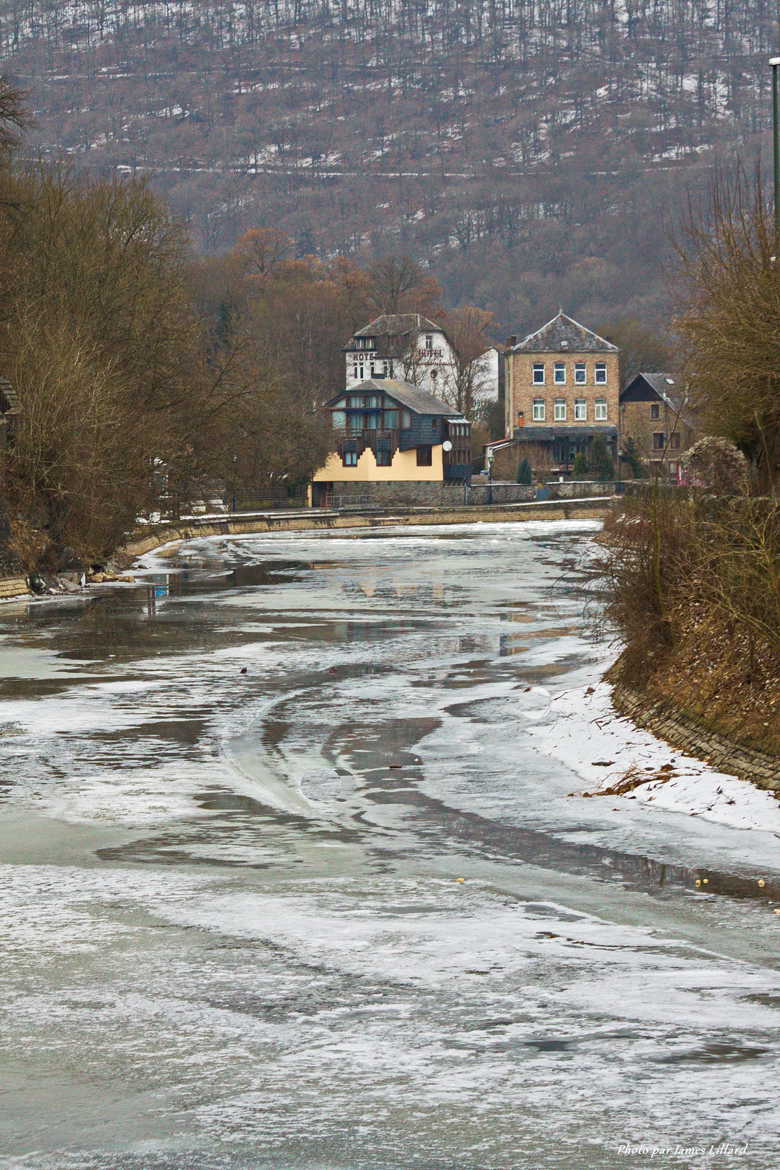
x=694, y=587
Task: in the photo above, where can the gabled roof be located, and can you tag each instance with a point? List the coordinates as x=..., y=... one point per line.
x=668, y=390
x=396, y=325
x=564, y=333
x=417, y=400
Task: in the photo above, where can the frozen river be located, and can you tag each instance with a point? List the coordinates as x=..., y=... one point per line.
x=287, y=883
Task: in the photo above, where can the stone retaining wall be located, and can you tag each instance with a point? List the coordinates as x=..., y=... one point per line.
x=688, y=735
x=400, y=494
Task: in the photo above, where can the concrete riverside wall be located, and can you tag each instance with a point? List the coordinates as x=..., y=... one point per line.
x=686, y=734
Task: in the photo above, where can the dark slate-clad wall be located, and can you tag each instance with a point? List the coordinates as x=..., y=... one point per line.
x=426, y=430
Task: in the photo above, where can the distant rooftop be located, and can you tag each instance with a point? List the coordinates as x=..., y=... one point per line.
x=669, y=390
x=396, y=325
x=564, y=333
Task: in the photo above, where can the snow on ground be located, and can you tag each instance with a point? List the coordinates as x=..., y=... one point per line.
x=582, y=729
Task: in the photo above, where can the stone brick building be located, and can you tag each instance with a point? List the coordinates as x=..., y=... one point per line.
x=562, y=390
x=654, y=412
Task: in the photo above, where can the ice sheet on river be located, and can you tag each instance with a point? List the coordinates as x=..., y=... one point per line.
x=340, y=910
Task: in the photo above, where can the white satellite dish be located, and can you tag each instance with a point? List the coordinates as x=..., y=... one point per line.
x=446, y=445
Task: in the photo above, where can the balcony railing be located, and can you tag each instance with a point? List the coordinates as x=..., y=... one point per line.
x=368, y=437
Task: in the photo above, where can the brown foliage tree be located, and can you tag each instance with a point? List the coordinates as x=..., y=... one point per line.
x=99, y=338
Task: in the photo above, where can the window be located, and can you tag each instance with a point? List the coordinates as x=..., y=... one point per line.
x=655, y=410
x=538, y=410
x=350, y=458
x=424, y=457
x=339, y=420
x=434, y=374
x=429, y=341
x=383, y=454
x=356, y=422
x=391, y=419
x=580, y=409
x=372, y=421
x=580, y=373
x=560, y=409
x=674, y=442
x=559, y=373
x=371, y=403
x=538, y=373
x=406, y=420
x=373, y=370
x=600, y=412
x=601, y=373
x=659, y=441
x=354, y=372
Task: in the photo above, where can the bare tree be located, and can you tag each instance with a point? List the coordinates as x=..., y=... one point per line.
x=730, y=319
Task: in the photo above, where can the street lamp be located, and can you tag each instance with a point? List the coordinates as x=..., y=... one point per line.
x=775, y=63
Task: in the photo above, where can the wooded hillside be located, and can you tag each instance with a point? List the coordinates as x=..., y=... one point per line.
x=534, y=152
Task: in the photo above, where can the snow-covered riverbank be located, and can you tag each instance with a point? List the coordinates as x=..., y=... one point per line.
x=584, y=731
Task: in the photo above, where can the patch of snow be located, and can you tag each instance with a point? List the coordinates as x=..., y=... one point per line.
x=584, y=731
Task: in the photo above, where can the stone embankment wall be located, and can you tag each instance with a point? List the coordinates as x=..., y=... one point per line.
x=512, y=493
x=400, y=494
x=688, y=735
x=455, y=495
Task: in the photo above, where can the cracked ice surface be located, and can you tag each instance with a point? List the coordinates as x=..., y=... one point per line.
x=341, y=911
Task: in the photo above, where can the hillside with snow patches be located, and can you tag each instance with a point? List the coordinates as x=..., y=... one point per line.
x=532, y=151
